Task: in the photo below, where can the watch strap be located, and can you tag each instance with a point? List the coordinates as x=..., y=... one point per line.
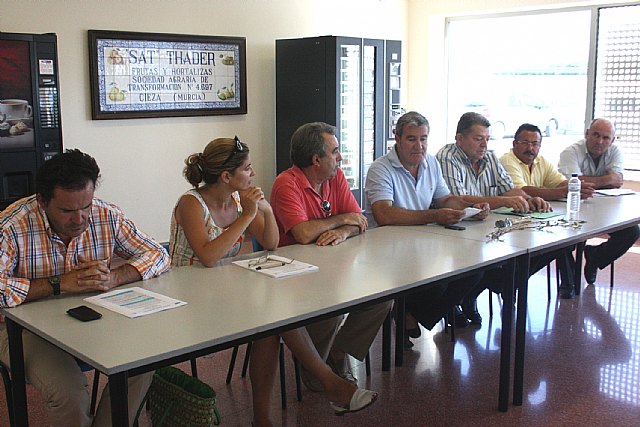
x=54, y=281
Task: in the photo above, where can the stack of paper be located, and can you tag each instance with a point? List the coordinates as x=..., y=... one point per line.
x=134, y=302
x=615, y=192
x=276, y=266
x=536, y=215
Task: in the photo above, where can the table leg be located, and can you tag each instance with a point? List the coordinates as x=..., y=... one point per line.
x=578, y=271
x=505, y=339
x=18, y=382
x=522, y=279
x=118, y=391
x=400, y=331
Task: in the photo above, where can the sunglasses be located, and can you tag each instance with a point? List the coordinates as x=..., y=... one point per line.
x=237, y=149
x=326, y=207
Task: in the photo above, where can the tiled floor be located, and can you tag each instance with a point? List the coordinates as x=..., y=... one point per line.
x=582, y=368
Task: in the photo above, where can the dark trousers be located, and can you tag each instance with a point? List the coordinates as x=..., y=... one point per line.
x=429, y=306
x=495, y=279
x=618, y=244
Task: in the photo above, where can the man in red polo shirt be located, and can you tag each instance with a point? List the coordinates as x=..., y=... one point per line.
x=312, y=202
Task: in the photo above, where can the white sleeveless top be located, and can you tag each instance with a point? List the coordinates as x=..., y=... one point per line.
x=179, y=248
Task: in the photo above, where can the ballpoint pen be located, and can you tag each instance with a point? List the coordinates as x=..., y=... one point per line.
x=272, y=265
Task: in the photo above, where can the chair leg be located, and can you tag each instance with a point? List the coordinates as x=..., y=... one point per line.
x=490, y=304
x=549, y=282
x=296, y=368
x=194, y=368
x=232, y=363
x=452, y=313
x=611, y=283
x=245, y=364
x=367, y=365
x=283, y=383
x=94, y=391
x=6, y=379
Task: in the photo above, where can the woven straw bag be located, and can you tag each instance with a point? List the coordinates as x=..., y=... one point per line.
x=179, y=400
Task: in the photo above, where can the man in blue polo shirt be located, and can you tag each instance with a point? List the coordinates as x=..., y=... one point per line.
x=401, y=188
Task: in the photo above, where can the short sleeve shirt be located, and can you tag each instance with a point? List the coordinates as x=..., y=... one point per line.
x=388, y=180
x=576, y=159
x=294, y=200
x=543, y=174
x=491, y=180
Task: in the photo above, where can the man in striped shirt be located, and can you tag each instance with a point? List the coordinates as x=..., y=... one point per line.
x=470, y=169
x=63, y=240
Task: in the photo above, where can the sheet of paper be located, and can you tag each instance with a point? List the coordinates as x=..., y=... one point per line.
x=276, y=266
x=469, y=212
x=536, y=215
x=615, y=191
x=134, y=302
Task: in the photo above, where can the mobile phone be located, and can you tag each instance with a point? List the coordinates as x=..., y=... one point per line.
x=455, y=227
x=84, y=313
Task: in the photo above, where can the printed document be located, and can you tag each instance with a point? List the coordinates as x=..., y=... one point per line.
x=134, y=302
x=276, y=266
x=615, y=191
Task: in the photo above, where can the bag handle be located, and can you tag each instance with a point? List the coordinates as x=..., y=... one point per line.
x=166, y=412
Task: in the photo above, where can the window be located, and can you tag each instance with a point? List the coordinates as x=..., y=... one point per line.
x=517, y=69
x=617, y=82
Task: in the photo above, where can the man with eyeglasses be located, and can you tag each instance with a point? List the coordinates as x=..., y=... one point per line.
x=538, y=177
x=470, y=169
x=597, y=160
x=312, y=202
x=531, y=172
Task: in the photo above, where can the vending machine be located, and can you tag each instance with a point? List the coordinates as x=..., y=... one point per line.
x=30, y=126
x=351, y=83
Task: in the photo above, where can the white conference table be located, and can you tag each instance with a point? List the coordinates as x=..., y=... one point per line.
x=602, y=214
x=228, y=305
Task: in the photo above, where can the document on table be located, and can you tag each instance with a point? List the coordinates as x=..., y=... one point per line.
x=535, y=215
x=469, y=212
x=276, y=266
x=615, y=192
x=134, y=302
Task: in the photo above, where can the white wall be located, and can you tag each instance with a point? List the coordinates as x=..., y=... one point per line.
x=142, y=159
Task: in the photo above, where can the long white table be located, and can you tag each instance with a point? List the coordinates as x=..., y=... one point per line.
x=602, y=214
x=228, y=305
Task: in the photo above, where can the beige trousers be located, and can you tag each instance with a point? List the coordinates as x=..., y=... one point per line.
x=64, y=386
x=356, y=334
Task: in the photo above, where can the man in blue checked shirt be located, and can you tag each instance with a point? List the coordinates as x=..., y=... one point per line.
x=470, y=169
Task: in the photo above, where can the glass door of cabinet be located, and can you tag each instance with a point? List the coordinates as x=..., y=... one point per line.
x=372, y=103
x=349, y=110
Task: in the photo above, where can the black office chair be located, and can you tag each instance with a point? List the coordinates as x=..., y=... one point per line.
x=6, y=379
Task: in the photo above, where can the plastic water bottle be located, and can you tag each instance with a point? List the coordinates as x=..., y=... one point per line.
x=573, y=198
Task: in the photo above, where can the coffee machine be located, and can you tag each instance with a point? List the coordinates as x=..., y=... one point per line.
x=30, y=125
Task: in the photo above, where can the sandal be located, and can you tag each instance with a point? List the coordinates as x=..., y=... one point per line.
x=361, y=399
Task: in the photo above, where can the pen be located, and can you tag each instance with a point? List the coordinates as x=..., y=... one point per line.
x=278, y=264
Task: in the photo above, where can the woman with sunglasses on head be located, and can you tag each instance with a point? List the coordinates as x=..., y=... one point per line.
x=208, y=223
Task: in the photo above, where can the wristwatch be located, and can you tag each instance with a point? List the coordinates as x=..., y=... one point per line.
x=54, y=281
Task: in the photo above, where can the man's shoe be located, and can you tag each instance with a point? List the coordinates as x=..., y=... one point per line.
x=407, y=343
x=470, y=311
x=413, y=332
x=590, y=265
x=566, y=292
x=460, y=319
